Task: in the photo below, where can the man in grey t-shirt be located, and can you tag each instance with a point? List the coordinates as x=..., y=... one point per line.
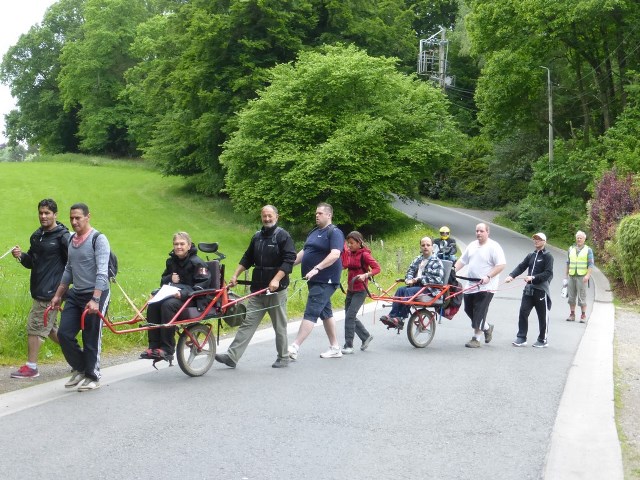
x=86, y=269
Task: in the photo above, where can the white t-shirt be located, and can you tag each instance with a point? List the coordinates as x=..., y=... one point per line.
x=480, y=260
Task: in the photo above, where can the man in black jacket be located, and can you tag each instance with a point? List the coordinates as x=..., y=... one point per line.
x=46, y=258
x=271, y=253
x=539, y=266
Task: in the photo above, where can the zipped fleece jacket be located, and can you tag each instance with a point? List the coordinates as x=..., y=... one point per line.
x=46, y=258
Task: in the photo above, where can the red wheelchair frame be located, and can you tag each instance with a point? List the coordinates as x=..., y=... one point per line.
x=196, y=346
x=425, y=309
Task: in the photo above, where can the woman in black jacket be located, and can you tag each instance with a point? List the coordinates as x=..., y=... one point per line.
x=185, y=271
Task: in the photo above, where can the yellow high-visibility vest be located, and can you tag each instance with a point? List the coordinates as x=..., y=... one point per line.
x=578, y=261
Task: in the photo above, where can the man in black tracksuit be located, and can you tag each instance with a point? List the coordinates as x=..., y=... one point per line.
x=539, y=266
x=46, y=258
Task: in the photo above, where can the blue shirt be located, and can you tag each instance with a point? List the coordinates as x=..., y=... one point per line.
x=316, y=248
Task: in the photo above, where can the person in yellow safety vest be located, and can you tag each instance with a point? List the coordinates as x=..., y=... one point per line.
x=579, y=266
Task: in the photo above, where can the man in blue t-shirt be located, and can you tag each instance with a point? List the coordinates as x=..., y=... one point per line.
x=321, y=267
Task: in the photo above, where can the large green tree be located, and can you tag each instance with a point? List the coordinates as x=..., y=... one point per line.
x=31, y=68
x=92, y=75
x=204, y=61
x=338, y=126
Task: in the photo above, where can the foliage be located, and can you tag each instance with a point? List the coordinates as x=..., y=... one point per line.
x=92, y=73
x=615, y=197
x=341, y=127
x=627, y=238
x=31, y=67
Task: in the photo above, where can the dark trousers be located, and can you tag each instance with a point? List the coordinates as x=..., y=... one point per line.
x=87, y=358
x=401, y=310
x=476, y=306
x=163, y=312
x=540, y=302
x=352, y=303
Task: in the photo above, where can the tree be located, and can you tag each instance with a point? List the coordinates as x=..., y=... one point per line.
x=92, y=74
x=338, y=126
x=31, y=68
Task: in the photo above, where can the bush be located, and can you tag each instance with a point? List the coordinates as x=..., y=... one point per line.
x=615, y=197
x=628, y=250
x=534, y=214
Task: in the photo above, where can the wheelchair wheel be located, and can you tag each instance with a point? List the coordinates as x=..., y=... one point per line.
x=196, y=357
x=421, y=328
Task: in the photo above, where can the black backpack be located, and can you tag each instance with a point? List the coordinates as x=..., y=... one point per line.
x=112, y=268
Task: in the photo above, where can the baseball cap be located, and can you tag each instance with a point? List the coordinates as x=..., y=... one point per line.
x=541, y=236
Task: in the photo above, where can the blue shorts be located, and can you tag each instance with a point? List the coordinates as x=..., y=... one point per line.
x=319, y=301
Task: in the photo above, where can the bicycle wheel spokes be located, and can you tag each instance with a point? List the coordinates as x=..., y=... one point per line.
x=421, y=328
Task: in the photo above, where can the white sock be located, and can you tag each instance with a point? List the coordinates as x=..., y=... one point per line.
x=32, y=365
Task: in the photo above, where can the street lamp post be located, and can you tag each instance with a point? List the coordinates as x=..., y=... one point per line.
x=550, y=121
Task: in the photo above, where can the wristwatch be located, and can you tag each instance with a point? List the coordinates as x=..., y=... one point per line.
x=96, y=299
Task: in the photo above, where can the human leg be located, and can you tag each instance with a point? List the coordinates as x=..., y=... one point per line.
x=92, y=339
x=582, y=298
x=37, y=331
x=168, y=310
x=572, y=294
x=476, y=306
x=526, y=305
x=352, y=325
x=153, y=316
x=255, y=314
x=542, y=305
x=278, y=313
x=69, y=328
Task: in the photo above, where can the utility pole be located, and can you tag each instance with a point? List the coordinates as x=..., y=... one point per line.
x=550, y=121
x=432, y=58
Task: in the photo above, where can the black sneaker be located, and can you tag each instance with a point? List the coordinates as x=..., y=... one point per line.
x=226, y=359
x=279, y=363
x=519, y=342
x=540, y=344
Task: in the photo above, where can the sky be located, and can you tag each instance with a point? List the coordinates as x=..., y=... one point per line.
x=16, y=17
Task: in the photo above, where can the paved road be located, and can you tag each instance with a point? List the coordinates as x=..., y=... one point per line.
x=444, y=412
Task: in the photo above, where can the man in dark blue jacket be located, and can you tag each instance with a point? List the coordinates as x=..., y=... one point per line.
x=271, y=253
x=46, y=258
x=539, y=267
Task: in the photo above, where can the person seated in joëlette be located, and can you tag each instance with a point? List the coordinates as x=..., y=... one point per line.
x=187, y=272
x=426, y=269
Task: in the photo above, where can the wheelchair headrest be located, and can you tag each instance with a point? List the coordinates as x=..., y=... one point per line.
x=208, y=247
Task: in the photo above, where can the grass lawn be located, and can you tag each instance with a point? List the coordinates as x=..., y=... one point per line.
x=139, y=210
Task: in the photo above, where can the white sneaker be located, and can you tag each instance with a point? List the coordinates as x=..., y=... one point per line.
x=333, y=352
x=89, y=384
x=347, y=350
x=293, y=351
x=76, y=378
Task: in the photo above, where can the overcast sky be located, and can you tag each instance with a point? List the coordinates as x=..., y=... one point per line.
x=16, y=17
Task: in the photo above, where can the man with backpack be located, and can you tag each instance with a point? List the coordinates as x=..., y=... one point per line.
x=46, y=258
x=271, y=253
x=87, y=269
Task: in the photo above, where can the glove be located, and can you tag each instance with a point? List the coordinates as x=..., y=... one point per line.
x=565, y=282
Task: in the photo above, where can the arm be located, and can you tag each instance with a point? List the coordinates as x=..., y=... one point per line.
x=326, y=262
x=24, y=258
x=522, y=266
x=546, y=274
x=289, y=257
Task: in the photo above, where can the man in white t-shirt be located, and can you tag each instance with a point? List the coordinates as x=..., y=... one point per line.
x=485, y=260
